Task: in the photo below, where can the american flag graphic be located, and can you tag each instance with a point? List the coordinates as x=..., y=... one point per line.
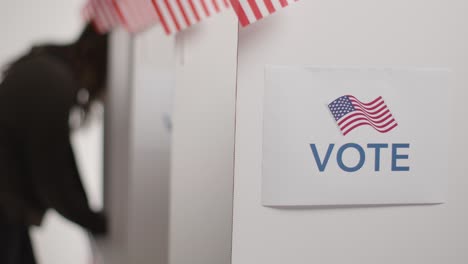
x=250, y=11
x=350, y=113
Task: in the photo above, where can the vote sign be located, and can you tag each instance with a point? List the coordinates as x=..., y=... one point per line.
x=334, y=136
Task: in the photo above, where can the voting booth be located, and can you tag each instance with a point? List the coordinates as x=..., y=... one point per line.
x=170, y=146
x=200, y=167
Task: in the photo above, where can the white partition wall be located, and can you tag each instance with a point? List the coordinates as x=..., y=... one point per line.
x=152, y=102
x=357, y=33
x=170, y=145
x=138, y=137
x=117, y=138
x=203, y=143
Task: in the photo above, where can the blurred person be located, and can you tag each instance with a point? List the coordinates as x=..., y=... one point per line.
x=38, y=170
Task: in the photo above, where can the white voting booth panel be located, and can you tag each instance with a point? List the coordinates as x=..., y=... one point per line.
x=137, y=164
x=114, y=249
x=350, y=33
x=152, y=102
x=170, y=146
x=203, y=143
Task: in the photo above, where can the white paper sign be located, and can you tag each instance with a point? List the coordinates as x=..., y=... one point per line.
x=353, y=136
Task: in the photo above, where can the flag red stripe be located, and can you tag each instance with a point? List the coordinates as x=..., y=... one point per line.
x=370, y=112
x=101, y=19
x=205, y=7
x=161, y=17
x=215, y=5
x=136, y=15
x=375, y=119
x=240, y=12
x=354, y=102
x=365, y=119
x=365, y=104
x=380, y=122
x=194, y=10
x=184, y=14
x=119, y=13
x=365, y=123
x=283, y=3
x=269, y=6
x=171, y=13
x=344, y=125
x=112, y=12
x=255, y=10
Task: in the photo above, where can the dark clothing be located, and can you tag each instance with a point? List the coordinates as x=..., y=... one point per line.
x=15, y=244
x=37, y=164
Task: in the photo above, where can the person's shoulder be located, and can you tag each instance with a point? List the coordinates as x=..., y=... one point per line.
x=45, y=67
x=40, y=85
x=44, y=76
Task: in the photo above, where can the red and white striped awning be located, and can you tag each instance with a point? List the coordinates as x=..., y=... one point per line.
x=176, y=15
x=173, y=15
x=250, y=11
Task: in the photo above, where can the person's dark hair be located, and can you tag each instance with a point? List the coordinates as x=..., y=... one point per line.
x=87, y=57
x=91, y=53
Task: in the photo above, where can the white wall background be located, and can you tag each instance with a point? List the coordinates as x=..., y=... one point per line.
x=22, y=24
x=359, y=32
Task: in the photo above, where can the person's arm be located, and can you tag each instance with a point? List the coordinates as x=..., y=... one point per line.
x=55, y=177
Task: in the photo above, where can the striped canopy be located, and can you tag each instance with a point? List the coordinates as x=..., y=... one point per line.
x=172, y=15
